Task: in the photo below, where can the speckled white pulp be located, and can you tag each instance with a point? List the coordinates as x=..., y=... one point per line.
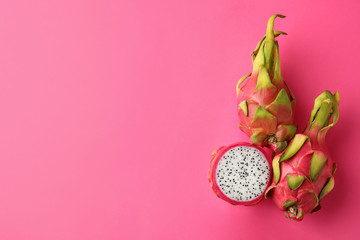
x=242, y=173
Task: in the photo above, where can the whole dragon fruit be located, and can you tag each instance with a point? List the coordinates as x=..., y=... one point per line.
x=265, y=103
x=303, y=173
x=240, y=173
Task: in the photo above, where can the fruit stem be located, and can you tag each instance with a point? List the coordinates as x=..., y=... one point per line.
x=269, y=43
x=326, y=106
x=270, y=26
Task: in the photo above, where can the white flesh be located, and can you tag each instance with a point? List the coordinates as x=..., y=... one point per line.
x=242, y=173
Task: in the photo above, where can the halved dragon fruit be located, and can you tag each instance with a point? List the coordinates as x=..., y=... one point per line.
x=240, y=173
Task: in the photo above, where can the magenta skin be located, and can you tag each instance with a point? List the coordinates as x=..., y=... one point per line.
x=216, y=156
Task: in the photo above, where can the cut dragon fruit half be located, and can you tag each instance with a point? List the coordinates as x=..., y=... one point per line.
x=240, y=173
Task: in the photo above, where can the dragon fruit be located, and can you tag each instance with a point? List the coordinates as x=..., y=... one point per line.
x=303, y=173
x=240, y=173
x=265, y=103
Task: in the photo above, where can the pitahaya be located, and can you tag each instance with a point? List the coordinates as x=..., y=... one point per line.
x=303, y=173
x=265, y=103
x=240, y=173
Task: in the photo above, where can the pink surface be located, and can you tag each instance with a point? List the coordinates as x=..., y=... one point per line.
x=110, y=110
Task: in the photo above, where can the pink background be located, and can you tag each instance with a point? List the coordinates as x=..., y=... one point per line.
x=110, y=109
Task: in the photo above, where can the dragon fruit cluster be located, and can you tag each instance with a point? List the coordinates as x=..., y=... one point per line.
x=293, y=169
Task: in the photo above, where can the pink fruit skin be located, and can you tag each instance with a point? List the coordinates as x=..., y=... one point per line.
x=216, y=156
x=247, y=92
x=300, y=164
